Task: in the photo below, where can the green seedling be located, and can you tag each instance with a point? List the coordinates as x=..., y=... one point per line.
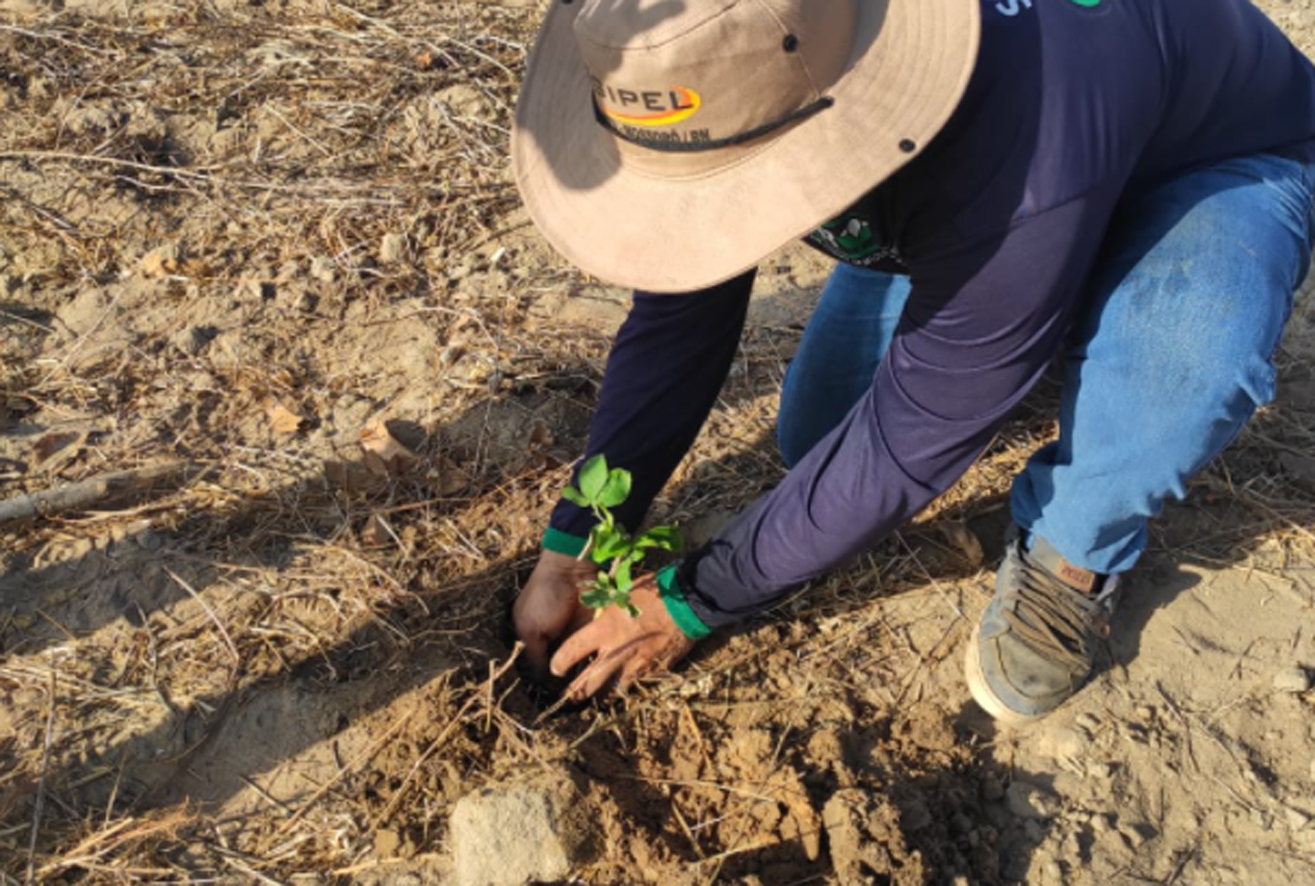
x=616, y=552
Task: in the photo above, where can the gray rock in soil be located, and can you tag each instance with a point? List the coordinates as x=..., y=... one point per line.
x=513, y=836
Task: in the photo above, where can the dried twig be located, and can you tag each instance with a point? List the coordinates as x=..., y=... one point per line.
x=84, y=493
x=40, y=804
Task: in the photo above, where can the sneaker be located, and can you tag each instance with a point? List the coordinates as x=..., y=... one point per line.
x=1035, y=645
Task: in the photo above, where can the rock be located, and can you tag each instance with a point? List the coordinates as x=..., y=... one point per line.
x=1292, y=679
x=1030, y=801
x=322, y=269
x=392, y=248
x=1297, y=820
x=514, y=836
x=992, y=790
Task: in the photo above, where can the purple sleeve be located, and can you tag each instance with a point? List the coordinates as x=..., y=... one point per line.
x=663, y=375
x=981, y=325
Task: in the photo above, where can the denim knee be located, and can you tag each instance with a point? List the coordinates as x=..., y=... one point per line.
x=795, y=435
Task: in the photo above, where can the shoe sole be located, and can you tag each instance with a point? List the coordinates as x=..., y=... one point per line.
x=981, y=690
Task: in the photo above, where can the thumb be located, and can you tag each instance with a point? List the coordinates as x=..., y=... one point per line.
x=578, y=647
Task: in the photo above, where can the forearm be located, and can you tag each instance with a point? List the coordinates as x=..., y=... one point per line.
x=666, y=368
x=981, y=326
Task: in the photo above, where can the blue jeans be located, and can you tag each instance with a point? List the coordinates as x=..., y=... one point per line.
x=1165, y=364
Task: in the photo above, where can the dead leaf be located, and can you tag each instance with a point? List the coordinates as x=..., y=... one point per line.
x=160, y=262
x=56, y=449
x=282, y=420
x=961, y=538
x=425, y=60
x=383, y=452
x=377, y=532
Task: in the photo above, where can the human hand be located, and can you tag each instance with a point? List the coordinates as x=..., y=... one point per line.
x=548, y=607
x=625, y=647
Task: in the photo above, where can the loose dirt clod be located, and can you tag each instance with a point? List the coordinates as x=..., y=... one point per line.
x=863, y=832
x=1031, y=801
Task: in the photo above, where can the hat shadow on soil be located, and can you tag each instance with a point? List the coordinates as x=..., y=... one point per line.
x=203, y=752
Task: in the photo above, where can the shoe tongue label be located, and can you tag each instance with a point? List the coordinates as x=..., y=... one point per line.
x=1082, y=579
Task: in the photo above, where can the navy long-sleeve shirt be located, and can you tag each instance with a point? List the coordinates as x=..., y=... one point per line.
x=1072, y=108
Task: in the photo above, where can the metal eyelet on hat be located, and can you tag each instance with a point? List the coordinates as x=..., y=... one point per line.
x=789, y=44
x=907, y=145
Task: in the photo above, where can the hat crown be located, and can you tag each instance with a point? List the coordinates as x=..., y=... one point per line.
x=704, y=70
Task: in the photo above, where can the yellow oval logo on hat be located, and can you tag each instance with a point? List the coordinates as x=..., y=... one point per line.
x=648, y=107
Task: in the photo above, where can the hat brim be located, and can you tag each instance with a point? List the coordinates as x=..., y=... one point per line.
x=909, y=69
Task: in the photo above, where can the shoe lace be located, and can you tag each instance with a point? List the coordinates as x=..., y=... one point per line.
x=1056, y=618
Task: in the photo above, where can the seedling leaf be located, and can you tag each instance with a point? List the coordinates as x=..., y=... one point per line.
x=593, y=477
x=575, y=497
x=608, y=545
x=617, y=488
x=596, y=597
x=600, y=489
x=666, y=538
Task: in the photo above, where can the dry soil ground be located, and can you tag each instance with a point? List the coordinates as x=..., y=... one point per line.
x=276, y=243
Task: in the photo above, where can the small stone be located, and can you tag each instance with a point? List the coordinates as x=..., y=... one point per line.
x=1292, y=679
x=1297, y=820
x=513, y=836
x=1145, y=713
x=392, y=248
x=323, y=269
x=1029, y=801
x=1052, y=872
x=992, y=790
x=1101, y=824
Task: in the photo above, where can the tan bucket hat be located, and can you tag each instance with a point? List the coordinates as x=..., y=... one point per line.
x=669, y=145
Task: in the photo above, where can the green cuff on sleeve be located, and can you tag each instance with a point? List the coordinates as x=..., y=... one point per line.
x=563, y=542
x=677, y=608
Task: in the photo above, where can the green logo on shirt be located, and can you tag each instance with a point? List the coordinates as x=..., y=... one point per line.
x=1012, y=8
